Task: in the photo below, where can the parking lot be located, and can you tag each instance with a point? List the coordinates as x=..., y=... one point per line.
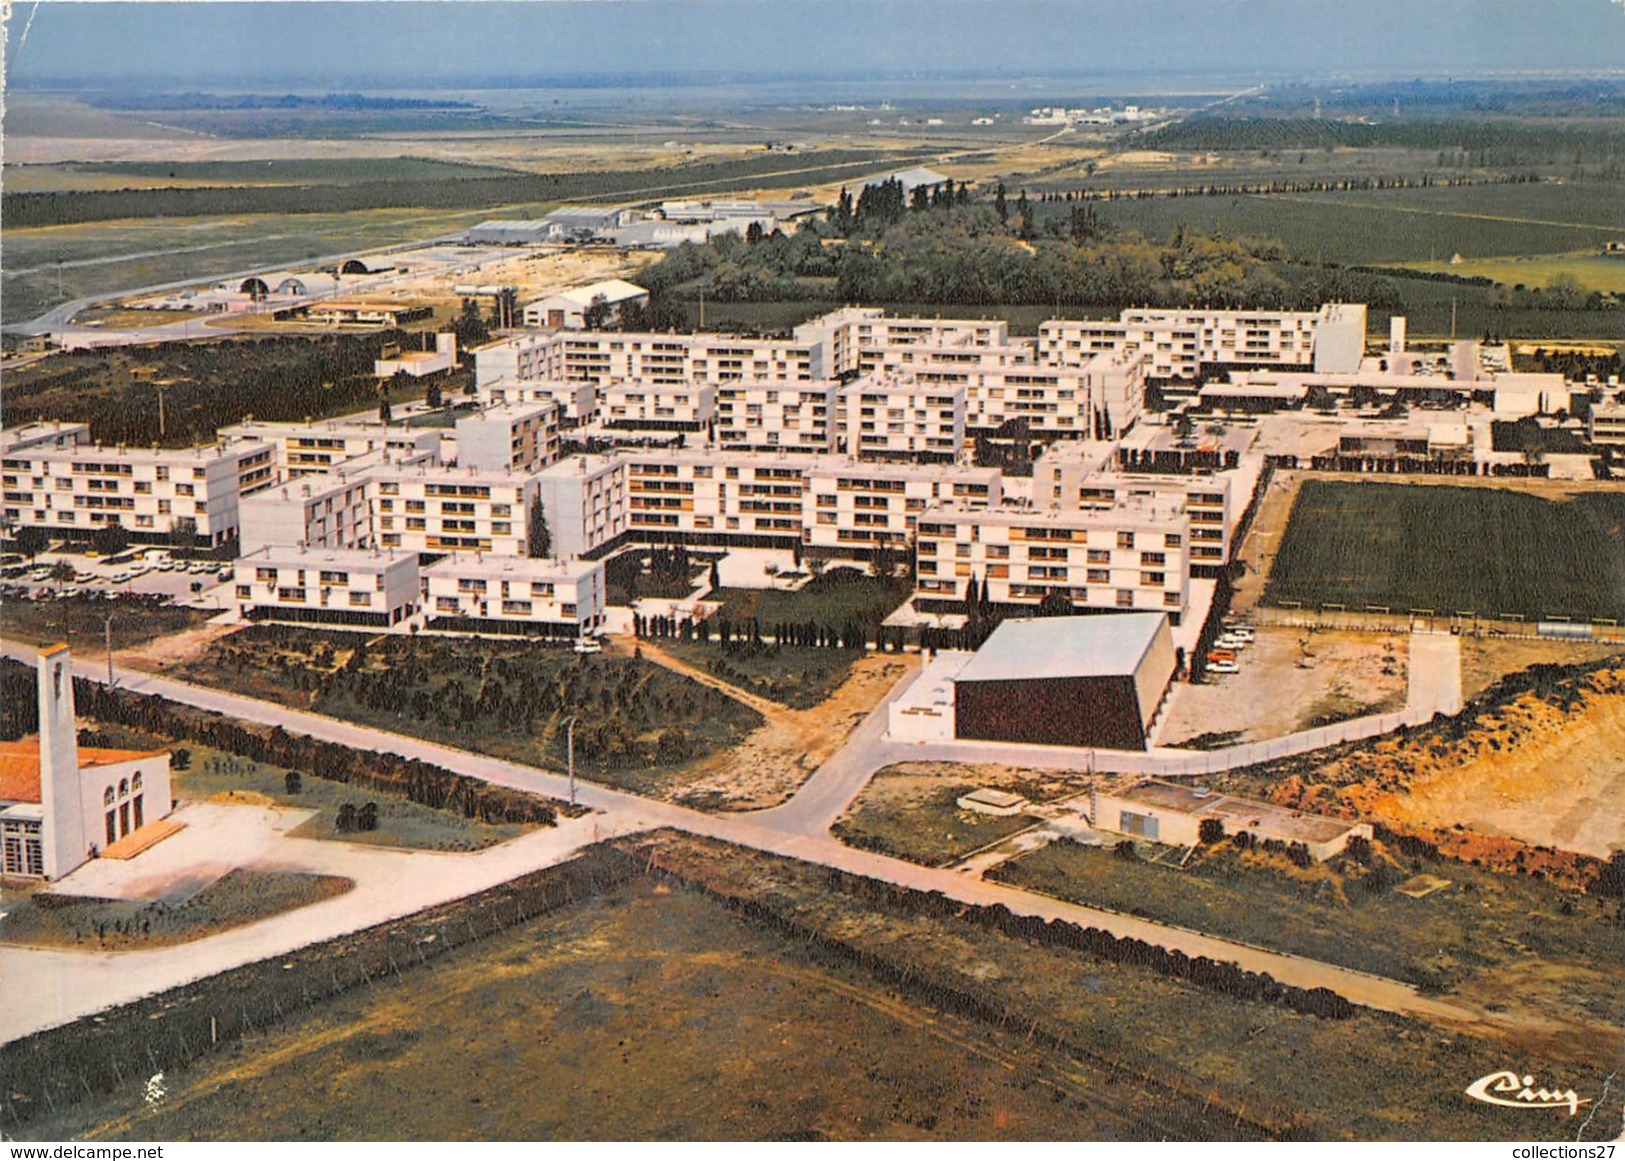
x=153, y=572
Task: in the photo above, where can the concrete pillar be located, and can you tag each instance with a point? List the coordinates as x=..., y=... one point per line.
x=65, y=839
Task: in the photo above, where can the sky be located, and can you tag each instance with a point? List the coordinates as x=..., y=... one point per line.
x=459, y=42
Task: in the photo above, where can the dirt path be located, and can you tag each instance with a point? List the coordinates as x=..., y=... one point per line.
x=164, y=652
x=771, y=764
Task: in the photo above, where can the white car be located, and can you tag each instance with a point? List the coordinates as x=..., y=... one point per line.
x=589, y=645
x=1230, y=641
x=1241, y=633
x=1223, y=667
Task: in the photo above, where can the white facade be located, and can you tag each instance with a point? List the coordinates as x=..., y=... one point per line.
x=304, y=448
x=658, y=406
x=577, y=402
x=1607, y=424
x=1130, y=558
x=318, y=511
x=900, y=417
x=60, y=802
x=584, y=502
x=326, y=585
x=708, y=495
x=862, y=506
x=522, y=437
x=433, y=509
x=508, y=594
x=753, y=416
x=419, y=364
x=1180, y=342
x=77, y=487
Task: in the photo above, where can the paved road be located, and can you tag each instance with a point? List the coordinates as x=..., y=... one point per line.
x=64, y=986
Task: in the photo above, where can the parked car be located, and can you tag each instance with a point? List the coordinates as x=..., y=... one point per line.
x=1223, y=667
x=589, y=645
x=1229, y=641
x=1241, y=632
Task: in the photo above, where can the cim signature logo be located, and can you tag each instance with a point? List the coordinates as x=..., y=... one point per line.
x=1519, y=1092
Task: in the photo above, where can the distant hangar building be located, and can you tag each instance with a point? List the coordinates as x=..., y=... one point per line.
x=1067, y=681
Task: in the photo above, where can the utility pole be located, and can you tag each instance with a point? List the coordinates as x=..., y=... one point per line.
x=570, y=753
x=1452, y=318
x=107, y=629
x=160, y=413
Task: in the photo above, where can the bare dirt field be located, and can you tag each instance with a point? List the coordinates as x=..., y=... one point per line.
x=1542, y=769
x=1561, y=785
x=654, y=1014
x=772, y=763
x=1485, y=660
x=1290, y=680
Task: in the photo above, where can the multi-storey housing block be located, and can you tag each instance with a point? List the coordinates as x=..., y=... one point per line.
x=755, y=416
x=1129, y=558
x=307, y=448
x=54, y=478
x=521, y=437
x=853, y=507
x=316, y=511
x=659, y=406
x=707, y=496
x=1179, y=343
x=514, y=595
x=326, y=586
x=900, y=417
x=577, y=402
x=439, y=509
x=1077, y=475
x=583, y=500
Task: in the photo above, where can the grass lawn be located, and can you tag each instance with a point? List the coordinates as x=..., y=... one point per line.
x=1488, y=550
x=135, y=621
x=236, y=898
x=837, y=596
x=401, y=822
x=636, y=720
x=1479, y=925
x=1589, y=269
x=911, y=811
x=793, y=675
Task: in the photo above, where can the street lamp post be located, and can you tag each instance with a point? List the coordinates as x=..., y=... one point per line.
x=570, y=753
x=107, y=630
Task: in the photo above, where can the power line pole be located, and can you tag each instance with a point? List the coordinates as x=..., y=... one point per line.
x=570, y=753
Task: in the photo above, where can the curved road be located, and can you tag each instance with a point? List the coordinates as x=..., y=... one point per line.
x=46, y=988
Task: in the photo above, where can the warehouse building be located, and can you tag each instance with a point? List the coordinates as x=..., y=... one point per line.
x=1067, y=681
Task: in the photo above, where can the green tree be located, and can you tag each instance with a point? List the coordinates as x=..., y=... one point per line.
x=434, y=397
x=183, y=533
x=385, y=414
x=595, y=316
x=293, y=782
x=110, y=539
x=1000, y=206
x=470, y=327
x=539, y=534
x=345, y=823
x=31, y=540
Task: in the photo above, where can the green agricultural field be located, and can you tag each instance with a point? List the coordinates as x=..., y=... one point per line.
x=1489, y=550
x=1588, y=270
x=1393, y=226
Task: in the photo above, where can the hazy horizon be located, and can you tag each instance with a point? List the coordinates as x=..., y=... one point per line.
x=594, y=43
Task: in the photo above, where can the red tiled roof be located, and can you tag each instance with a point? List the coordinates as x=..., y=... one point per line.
x=19, y=766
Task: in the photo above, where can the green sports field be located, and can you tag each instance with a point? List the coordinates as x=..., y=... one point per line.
x=1488, y=550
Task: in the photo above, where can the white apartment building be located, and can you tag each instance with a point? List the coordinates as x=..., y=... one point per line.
x=317, y=511
x=716, y=497
x=856, y=340
x=609, y=357
x=577, y=402
x=1179, y=343
x=658, y=406
x=514, y=595
x=583, y=500
x=752, y=416
x=439, y=509
x=514, y=359
x=520, y=437
x=335, y=586
x=305, y=448
x=54, y=478
x=857, y=507
x=1606, y=426
x=1128, y=558
x=1076, y=475
x=899, y=417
